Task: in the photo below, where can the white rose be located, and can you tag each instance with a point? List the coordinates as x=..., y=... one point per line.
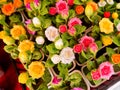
x=118, y=6
x=67, y=55
x=118, y=26
x=55, y=59
x=36, y=22
x=101, y=3
x=51, y=33
x=39, y=40
x=110, y=2
x=59, y=44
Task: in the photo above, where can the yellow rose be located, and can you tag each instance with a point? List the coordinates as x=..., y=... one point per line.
x=106, y=26
x=106, y=40
x=36, y=69
x=24, y=57
x=17, y=30
x=8, y=40
x=23, y=77
x=2, y=34
x=26, y=45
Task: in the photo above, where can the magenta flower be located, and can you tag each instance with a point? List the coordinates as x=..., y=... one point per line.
x=62, y=28
x=28, y=21
x=36, y=2
x=72, y=31
x=86, y=41
x=78, y=48
x=95, y=74
x=74, y=21
x=62, y=7
x=93, y=47
x=77, y=88
x=70, y=2
x=52, y=10
x=56, y=80
x=106, y=70
x=28, y=6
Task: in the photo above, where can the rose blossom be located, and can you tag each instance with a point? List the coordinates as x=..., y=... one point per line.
x=86, y=41
x=59, y=44
x=52, y=10
x=95, y=74
x=106, y=70
x=62, y=7
x=70, y=2
x=74, y=21
x=77, y=88
x=51, y=33
x=101, y=3
x=93, y=47
x=72, y=31
x=62, y=28
x=78, y=48
x=110, y=2
x=28, y=6
x=36, y=22
x=40, y=40
x=118, y=26
x=55, y=59
x=67, y=55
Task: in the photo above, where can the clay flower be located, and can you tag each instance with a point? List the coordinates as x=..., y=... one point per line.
x=102, y=3
x=39, y=40
x=106, y=40
x=52, y=10
x=62, y=28
x=55, y=59
x=93, y=48
x=59, y=44
x=116, y=58
x=56, y=80
x=118, y=27
x=78, y=48
x=77, y=88
x=23, y=77
x=95, y=74
x=106, y=70
x=36, y=22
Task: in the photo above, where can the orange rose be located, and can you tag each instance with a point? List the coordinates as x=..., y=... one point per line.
x=8, y=9
x=79, y=9
x=17, y=3
x=27, y=1
x=116, y=58
x=93, y=4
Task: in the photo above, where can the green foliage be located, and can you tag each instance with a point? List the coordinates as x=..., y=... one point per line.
x=71, y=13
x=110, y=51
x=80, y=29
x=101, y=59
x=22, y=37
x=91, y=65
x=36, y=55
x=49, y=64
x=78, y=2
x=116, y=40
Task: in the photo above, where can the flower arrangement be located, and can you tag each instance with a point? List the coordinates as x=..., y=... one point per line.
x=57, y=35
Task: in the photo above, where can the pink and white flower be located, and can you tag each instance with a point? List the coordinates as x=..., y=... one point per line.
x=67, y=55
x=59, y=44
x=78, y=48
x=93, y=47
x=62, y=28
x=118, y=27
x=52, y=10
x=56, y=80
x=72, y=31
x=86, y=41
x=51, y=33
x=39, y=40
x=74, y=21
x=62, y=7
x=36, y=22
x=77, y=88
x=95, y=74
x=106, y=70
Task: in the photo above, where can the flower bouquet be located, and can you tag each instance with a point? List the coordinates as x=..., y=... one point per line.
x=56, y=34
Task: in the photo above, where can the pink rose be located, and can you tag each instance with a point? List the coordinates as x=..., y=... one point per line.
x=74, y=21
x=93, y=47
x=95, y=74
x=36, y=2
x=77, y=88
x=78, y=48
x=72, y=31
x=28, y=7
x=62, y=7
x=86, y=41
x=62, y=28
x=106, y=70
x=70, y=2
x=52, y=10
x=56, y=80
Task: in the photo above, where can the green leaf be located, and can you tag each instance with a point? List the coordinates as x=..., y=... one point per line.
x=91, y=65
x=47, y=23
x=22, y=37
x=110, y=51
x=116, y=40
x=15, y=18
x=89, y=77
x=72, y=42
x=29, y=83
x=97, y=81
x=49, y=64
x=59, y=19
x=80, y=29
x=65, y=42
x=78, y=2
x=51, y=48
x=82, y=59
x=36, y=55
x=116, y=22
x=71, y=13
x=99, y=44
x=66, y=36
x=84, y=55
x=14, y=55
x=101, y=59
x=96, y=29
x=10, y=48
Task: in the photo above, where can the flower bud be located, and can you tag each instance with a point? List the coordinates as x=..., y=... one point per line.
x=88, y=10
x=55, y=59
x=118, y=6
x=93, y=48
x=59, y=44
x=40, y=40
x=36, y=22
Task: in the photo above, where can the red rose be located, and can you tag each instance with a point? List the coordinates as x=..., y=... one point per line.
x=70, y=2
x=62, y=28
x=52, y=11
x=106, y=14
x=95, y=74
x=78, y=48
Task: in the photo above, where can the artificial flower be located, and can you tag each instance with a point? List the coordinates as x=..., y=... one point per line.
x=86, y=41
x=118, y=6
x=8, y=9
x=116, y=58
x=118, y=27
x=2, y=34
x=8, y=40
x=70, y=2
x=72, y=31
x=59, y=44
x=78, y=48
x=28, y=7
x=39, y=40
x=93, y=4
x=89, y=11
x=111, y=2
x=74, y=21
x=55, y=59
x=36, y=69
x=23, y=77
x=56, y=80
x=36, y=22
x=52, y=10
x=36, y=3
x=77, y=88
x=17, y=31
x=24, y=57
x=102, y=3
x=27, y=1
x=62, y=28
x=106, y=26
x=106, y=70
x=95, y=74
x=106, y=40
x=51, y=33
x=106, y=14
x=26, y=45
x=114, y=15
x=17, y=3
x=67, y=55
x=79, y=9
x=93, y=48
